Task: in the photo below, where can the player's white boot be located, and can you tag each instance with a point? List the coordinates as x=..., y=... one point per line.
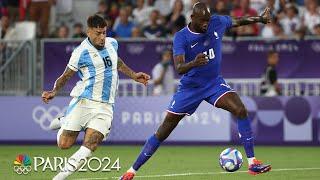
x=56, y=123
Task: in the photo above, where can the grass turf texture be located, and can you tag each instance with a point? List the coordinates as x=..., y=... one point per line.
x=170, y=160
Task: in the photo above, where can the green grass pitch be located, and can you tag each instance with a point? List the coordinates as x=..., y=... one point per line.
x=175, y=162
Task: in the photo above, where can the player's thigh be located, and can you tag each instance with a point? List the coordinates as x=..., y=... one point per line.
x=92, y=138
x=168, y=125
x=232, y=103
x=101, y=118
x=185, y=101
x=76, y=116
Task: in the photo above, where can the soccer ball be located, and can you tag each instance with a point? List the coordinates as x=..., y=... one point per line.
x=230, y=160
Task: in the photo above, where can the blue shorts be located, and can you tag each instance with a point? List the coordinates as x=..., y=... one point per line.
x=187, y=99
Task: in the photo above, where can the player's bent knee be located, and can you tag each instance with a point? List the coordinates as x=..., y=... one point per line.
x=241, y=113
x=64, y=145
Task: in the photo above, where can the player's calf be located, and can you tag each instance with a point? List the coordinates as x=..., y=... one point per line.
x=241, y=112
x=67, y=139
x=92, y=139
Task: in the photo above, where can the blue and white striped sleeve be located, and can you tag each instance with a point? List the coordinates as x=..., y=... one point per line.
x=73, y=63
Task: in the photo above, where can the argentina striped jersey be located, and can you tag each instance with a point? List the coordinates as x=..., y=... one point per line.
x=97, y=70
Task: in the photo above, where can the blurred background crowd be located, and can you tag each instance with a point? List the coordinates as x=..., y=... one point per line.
x=157, y=18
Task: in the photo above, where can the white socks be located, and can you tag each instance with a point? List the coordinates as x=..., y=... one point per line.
x=250, y=160
x=58, y=135
x=132, y=170
x=74, y=162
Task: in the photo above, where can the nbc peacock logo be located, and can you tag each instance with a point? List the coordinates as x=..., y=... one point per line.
x=22, y=164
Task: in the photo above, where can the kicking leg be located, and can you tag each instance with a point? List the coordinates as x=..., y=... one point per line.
x=152, y=144
x=232, y=103
x=91, y=141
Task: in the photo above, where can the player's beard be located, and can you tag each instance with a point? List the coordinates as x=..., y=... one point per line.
x=99, y=47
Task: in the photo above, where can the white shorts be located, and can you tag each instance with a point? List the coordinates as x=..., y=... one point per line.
x=84, y=113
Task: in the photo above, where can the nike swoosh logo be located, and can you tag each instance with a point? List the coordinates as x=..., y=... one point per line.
x=248, y=139
x=225, y=85
x=216, y=34
x=147, y=155
x=194, y=45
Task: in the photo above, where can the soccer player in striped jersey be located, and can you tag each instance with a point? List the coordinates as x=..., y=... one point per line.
x=91, y=109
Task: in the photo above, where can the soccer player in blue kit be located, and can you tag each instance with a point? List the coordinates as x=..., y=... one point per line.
x=197, y=56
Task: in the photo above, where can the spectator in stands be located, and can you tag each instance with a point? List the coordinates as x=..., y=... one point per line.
x=269, y=84
x=258, y=5
x=136, y=32
x=23, y=5
x=4, y=31
x=3, y=8
x=278, y=31
x=129, y=9
x=154, y=30
x=78, y=31
x=141, y=13
x=124, y=28
x=110, y=32
x=245, y=10
x=316, y=30
x=220, y=7
x=311, y=16
x=13, y=10
x=273, y=30
x=63, y=32
x=40, y=12
x=291, y=22
x=187, y=4
x=5, y=27
x=163, y=75
x=300, y=34
x=103, y=8
x=267, y=30
x=114, y=11
x=176, y=20
x=129, y=14
x=162, y=7
x=271, y=4
x=280, y=8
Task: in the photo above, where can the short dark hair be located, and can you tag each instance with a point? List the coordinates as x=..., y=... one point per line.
x=96, y=21
x=272, y=52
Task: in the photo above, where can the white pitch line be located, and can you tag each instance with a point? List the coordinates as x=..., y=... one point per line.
x=205, y=173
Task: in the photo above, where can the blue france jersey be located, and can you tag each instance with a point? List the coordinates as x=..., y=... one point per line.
x=97, y=70
x=190, y=44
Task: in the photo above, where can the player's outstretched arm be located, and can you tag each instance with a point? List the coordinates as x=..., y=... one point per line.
x=182, y=67
x=138, y=77
x=60, y=82
x=264, y=18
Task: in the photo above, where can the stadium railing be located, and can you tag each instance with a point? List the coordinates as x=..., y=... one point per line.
x=22, y=74
x=17, y=67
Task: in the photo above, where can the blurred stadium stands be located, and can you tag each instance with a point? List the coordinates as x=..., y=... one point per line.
x=38, y=36
x=22, y=43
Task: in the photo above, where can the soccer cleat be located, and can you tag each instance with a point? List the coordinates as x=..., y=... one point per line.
x=127, y=176
x=257, y=167
x=55, y=123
